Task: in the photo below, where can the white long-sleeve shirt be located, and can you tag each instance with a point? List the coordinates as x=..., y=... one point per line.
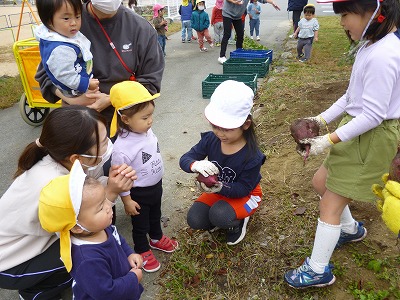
x=373, y=94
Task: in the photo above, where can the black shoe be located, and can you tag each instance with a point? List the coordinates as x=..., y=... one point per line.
x=235, y=234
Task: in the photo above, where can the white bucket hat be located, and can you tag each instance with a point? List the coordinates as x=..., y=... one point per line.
x=230, y=105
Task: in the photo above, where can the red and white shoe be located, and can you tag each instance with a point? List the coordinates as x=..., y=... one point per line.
x=165, y=244
x=150, y=262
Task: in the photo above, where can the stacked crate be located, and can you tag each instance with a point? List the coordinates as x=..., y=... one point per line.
x=244, y=65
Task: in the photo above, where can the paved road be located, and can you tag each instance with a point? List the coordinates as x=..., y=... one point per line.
x=178, y=121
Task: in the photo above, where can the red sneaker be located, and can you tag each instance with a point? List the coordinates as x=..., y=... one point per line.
x=150, y=262
x=165, y=244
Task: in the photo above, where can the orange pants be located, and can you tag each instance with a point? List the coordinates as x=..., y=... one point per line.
x=201, y=35
x=244, y=207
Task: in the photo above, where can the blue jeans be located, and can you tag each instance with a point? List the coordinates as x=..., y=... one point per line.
x=255, y=24
x=186, y=27
x=162, y=39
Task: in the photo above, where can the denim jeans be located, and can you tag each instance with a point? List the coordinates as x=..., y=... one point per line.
x=162, y=41
x=186, y=28
x=255, y=24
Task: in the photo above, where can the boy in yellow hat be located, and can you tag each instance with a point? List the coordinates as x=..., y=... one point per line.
x=137, y=146
x=307, y=32
x=98, y=258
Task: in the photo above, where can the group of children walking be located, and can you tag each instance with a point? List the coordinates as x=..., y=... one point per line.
x=76, y=206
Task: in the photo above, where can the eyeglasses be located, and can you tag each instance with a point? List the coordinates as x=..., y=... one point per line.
x=109, y=143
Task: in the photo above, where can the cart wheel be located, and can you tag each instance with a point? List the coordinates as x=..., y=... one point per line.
x=33, y=116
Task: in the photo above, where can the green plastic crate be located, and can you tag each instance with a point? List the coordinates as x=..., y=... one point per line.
x=259, y=66
x=209, y=84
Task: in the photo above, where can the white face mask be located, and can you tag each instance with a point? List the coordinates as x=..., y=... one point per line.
x=103, y=158
x=200, y=7
x=108, y=7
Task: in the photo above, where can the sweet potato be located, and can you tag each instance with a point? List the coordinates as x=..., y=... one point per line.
x=301, y=129
x=394, y=170
x=208, y=181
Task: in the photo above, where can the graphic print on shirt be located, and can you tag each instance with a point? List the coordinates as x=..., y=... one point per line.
x=127, y=47
x=226, y=174
x=155, y=165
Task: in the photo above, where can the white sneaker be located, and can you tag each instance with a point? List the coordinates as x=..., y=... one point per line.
x=204, y=49
x=212, y=45
x=258, y=38
x=251, y=38
x=221, y=60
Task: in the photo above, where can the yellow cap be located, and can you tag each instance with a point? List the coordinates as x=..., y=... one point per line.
x=127, y=94
x=59, y=204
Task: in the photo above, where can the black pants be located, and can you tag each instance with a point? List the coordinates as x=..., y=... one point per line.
x=239, y=28
x=43, y=277
x=296, y=19
x=149, y=219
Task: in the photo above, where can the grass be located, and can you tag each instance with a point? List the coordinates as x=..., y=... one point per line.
x=206, y=268
x=10, y=90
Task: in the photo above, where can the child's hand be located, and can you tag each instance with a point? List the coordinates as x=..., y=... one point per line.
x=135, y=261
x=93, y=84
x=204, y=167
x=131, y=208
x=316, y=38
x=138, y=272
x=120, y=179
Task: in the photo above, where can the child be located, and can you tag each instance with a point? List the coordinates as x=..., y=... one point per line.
x=307, y=32
x=232, y=152
x=254, y=10
x=365, y=142
x=200, y=23
x=65, y=52
x=101, y=263
x=137, y=146
x=185, y=10
x=216, y=21
x=160, y=25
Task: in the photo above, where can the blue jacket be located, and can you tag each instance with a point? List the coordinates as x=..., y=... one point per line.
x=200, y=20
x=186, y=12
x=296, y=4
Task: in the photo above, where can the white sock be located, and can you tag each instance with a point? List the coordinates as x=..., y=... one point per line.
x=325, y=241
x=154, y=241
x=349, y=225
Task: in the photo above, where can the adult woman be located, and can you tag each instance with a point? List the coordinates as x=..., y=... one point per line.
x=29, y=260
x=134, y=39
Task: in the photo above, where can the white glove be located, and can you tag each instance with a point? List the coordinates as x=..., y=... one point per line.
x=319, y=120
x=210, y=190
x=318, y=144
x=204, y=167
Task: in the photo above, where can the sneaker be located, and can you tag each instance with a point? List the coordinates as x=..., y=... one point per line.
x=204, y=49
x=221, y=60
x=258, y=38
x=291, y=36
x=231, y=42
x=217, y=44
x=189, y=41
x=150, y=262
x=165, y=244
x=303, y=60
x=300, y=56
x=236, y=234
x=304, y=276
x=355, y=237
x=251, y=38
x=212, y=45
x=183, y=41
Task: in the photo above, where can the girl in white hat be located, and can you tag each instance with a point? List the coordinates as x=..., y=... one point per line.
x=230, y=151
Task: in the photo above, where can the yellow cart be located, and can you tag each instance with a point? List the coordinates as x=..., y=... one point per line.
x=33, y=108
